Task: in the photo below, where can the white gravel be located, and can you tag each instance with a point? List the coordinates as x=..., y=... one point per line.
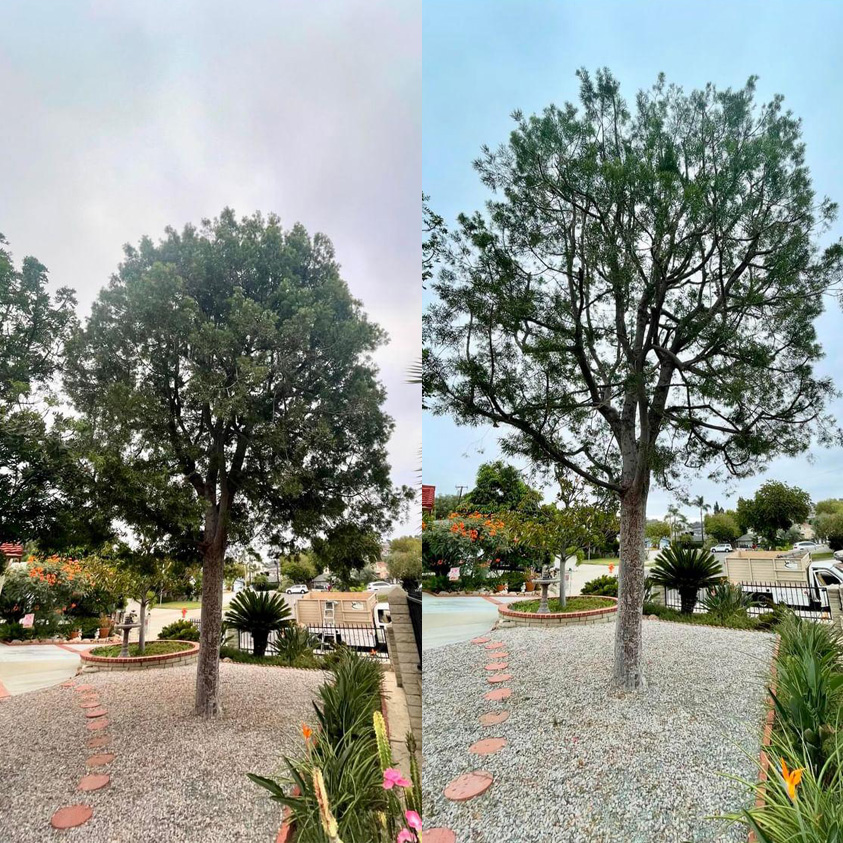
x=175, y=778
x=583, y=765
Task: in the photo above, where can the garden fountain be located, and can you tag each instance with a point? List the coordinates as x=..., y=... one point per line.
x=545, y=582
x=127, y=626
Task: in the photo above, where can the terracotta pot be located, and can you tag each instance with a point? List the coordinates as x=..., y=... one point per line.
x=501, y=586
x=530, y=586
x=105, y=631
x=74, y=633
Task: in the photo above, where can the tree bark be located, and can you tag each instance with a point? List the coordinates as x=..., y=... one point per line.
x=142, y=630
x=208, y=667
x=628, y=675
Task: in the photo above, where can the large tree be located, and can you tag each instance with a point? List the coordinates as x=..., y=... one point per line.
x=775, y=507
x=499, y=487
x=234, y=356
x=638, y=300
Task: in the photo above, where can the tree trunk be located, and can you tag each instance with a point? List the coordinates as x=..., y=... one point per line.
x=208, y=667
x=627, y=675
x=687, y=600
x=563, y=559
x=142, y=630
x=260, y=638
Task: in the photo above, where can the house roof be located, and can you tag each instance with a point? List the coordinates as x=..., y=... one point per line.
x=11, y=550
x=428, y=498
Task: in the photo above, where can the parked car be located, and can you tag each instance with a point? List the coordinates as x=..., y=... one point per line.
x=238, y=585
x=297, y=589
x=806, y=545
x=838, y=555
x=724, y=547
x=378, y=585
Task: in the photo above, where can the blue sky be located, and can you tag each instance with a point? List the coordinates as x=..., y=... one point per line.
x=484, y=58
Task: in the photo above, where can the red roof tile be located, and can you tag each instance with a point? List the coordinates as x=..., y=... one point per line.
x=428, y=497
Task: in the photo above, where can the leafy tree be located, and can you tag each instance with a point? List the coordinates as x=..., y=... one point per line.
x=499, y=487
x=299, y=568
x=234, y=358
x=345, y=550
x=638, y=301
x=444, y=505
x=723, y=526
x=655, y=530
x=829, y=506
x=832, y=530
x=404, y=561
x=775, y=506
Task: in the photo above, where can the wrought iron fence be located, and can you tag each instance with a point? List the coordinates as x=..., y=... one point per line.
x=810, y=602
x=414, y=604
x=366, y=639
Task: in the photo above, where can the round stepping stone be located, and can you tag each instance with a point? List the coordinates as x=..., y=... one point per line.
x=96, y=712
x=90, y=704
x=495, y=645
x=68, y=684
x=468, y=786
x=493, y=718
x=499, y=677
x=497, y=666
x=94, y=781
x=71, y=816
x=440, y=835
x=84, y=688
x=488, y=746
x=498, y=655
x=99, y=723
x=100, y=760
x=98, y=741
x=498, y=694
x=480, y=640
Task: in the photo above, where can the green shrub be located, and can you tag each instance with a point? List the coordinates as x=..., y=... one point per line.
x=258, y=613
x=606, y=586
x=305, y=661
x=514, y=580
x=154, y=648
x=687, y=570
x=725, y=601
x=294, y=642
x=180, y=630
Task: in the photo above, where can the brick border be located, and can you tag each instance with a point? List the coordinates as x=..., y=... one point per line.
x=604, y=615
x=766, y=738
x=118, y=663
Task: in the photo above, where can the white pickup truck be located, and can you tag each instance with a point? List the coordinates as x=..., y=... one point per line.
x=791, y=579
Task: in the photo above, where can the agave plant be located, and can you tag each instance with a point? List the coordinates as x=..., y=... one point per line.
x=725, y=600
x=687, y=570
x=258, y=613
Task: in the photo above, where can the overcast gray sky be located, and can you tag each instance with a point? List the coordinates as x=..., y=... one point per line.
x=120, y=118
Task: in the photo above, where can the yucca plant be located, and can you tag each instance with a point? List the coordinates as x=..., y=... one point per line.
x=725, y=600
x=258, y=613
x=293, y=642
x=687, y=570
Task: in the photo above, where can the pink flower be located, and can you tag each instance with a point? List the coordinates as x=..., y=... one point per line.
x=405, y=836
x=393, y=778
x=413, y=820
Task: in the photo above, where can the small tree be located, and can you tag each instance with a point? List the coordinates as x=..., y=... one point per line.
x=655, y=530
x=346, y=550
x=687, y=570
x=723, y=526
x=299, y=568
x=638, y=301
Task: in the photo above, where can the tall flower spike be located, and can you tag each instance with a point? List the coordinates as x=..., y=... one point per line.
x=329, y=823
x=384, y=750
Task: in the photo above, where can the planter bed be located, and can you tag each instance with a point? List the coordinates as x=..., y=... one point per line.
x=188, y=653
x=602, y=614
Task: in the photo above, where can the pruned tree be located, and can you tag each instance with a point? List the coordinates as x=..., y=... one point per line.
x=638, y=300
x=235, y=358
x=775, y=507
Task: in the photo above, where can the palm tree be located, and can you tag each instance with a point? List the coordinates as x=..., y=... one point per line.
x=259, y=613
x=703, y=507
x=687, y=570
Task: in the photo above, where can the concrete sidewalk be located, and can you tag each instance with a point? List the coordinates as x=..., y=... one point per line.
x=29, y=667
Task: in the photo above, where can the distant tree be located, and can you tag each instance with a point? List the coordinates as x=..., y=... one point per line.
x=235, y=358
x=655, y=530
x=444, y=505
x=299, y=568
x=775, y=506
x=404, y=561
x=723, y=526
x=345, y=550
x=829, y=506
x=832, y=530
x=499, y=487
x=639, y=299
x=699, y=503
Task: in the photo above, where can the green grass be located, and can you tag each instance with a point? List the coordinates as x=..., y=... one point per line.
x=819, y=557
x=153, y=648
x=307, y=660
x=179, y=604
x=574, y=604
x=606, y=560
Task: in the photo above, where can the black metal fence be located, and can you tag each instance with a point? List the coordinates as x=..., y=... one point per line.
x=366, y=639
x=414, y=604
x=805, y=601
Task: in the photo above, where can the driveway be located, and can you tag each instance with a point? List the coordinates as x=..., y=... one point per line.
x=30, y=667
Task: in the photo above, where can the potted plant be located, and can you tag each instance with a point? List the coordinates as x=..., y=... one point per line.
x=74, y=634
x=105, y=626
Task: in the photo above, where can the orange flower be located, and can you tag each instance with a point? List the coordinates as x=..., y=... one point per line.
x=306, y=731
x=791, y=778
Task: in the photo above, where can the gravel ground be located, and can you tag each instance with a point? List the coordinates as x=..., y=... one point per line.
x=175, y=778
x=586, y=766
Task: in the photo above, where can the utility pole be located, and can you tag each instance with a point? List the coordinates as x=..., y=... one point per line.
x=459, y=496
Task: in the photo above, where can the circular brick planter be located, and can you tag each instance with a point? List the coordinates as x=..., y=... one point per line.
x=94, y=663
x=604, y=615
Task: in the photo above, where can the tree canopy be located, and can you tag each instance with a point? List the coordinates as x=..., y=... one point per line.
x=499, y=487
x=638, y=299
x=774, y=507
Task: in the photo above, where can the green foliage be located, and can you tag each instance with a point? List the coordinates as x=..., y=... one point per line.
x=723, y=527
x=180, y=630
x=444, y=505
x=258, y=613
x=775, y=507
x=499, y=487
x=404, y=561
x=294, y=644
x=655, y=530
x=345, y=749
x=572, y=604
x=306, y=660
x=725, y=601
x=606, y=585
x=830, y=527
x=763, y=623
x=155, y=648
x=346, y=549
x=299, y=568
x=687, y=570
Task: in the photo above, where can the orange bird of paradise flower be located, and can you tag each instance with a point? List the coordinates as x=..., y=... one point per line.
x=306, y=731
x=791, y=778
